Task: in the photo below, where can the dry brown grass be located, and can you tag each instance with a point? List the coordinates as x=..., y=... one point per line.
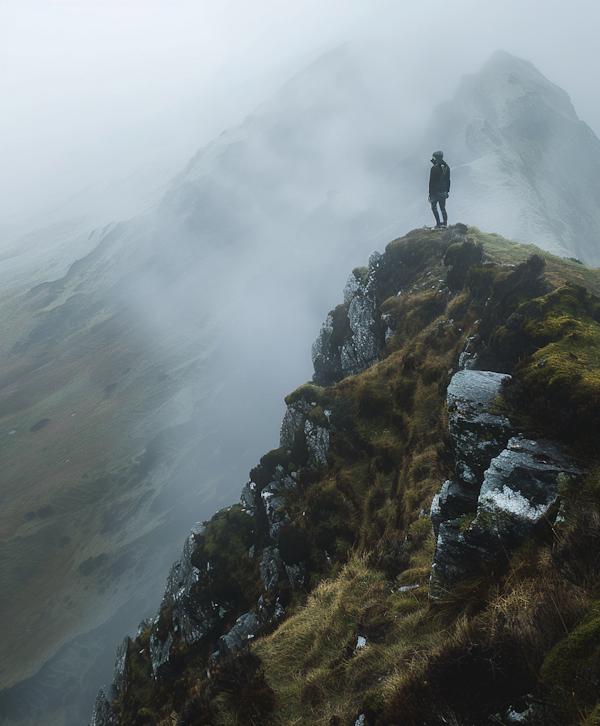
x=312, y=662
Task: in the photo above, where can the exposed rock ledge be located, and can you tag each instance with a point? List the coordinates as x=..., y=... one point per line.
x=505, y=486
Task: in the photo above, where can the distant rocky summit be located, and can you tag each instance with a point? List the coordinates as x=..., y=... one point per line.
x=419, y=549
x=522, y=161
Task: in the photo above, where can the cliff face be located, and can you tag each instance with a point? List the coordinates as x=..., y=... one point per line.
x=420, y=547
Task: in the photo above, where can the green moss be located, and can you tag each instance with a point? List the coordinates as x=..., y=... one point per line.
x=361, y=274
x=571, y=670
x=309, y=393
x=317, y=416
x=459, y=258
x=558, y=383
x=273, y=459
x=223, y=547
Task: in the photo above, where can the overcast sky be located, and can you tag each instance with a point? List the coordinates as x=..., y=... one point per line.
x=73, y=71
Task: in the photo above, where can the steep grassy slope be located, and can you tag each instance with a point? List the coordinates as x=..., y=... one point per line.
x=98, y=416
x=351, y=632
x=80, y=398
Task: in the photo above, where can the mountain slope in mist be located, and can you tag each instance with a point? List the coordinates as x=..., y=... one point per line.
x=522, y=162
x=138, y=389
x=128, y=384
x=49, y=208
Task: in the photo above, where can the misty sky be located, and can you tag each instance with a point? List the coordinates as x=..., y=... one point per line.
x=73, y=71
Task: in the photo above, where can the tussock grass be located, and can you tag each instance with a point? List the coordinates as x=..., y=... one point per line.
x=312, y=661
x=558, y=270
x=498, y=629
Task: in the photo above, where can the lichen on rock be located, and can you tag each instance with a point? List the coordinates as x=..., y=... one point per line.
x=120, y=681
x=359, y=351
x=350, y=338
x=233, y=642
x=317, y=441
x=159, y=651
x=271, y=568
x=274, y=504
x=292, y=419
x=191, y=620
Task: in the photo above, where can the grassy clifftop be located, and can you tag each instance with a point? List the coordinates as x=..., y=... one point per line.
x=354, y=636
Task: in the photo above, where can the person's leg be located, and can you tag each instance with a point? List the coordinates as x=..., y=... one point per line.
x=443, y=210
x=434, y=202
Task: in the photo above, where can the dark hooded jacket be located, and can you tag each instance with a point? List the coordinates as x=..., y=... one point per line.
x=439, y=178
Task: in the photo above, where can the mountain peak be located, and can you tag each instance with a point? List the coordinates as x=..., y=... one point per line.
x=502, y=60
x=523, y=163
x=504, y=83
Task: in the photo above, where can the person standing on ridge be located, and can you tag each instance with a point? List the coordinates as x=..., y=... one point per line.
x=439, y=187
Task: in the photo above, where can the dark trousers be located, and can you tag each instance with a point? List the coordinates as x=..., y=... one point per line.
x=441, y=200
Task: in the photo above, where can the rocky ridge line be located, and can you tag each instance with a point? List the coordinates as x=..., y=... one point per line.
x=505, y=486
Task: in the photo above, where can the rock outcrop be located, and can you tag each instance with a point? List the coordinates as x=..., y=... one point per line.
x=519, y=493
x=477, y=431
x=505, y=486
x=188, y=612
x=349, y=343
x=351, y=336
x=103, y=714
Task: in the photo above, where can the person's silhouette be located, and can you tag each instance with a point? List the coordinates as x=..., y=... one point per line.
x=439, y=187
